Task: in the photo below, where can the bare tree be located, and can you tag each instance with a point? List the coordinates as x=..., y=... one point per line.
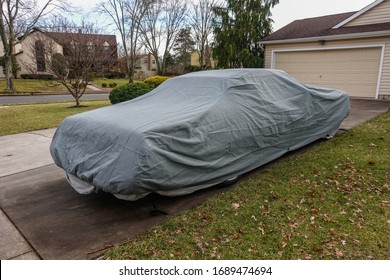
x=62, y=24
x=201, y=19
x=72, y=57
x=126, y=16
x=17, y=18
x=160, y=27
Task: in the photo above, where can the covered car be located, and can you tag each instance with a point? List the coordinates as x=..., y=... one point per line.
x=194, y=131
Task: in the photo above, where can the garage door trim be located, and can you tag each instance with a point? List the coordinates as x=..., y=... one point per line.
x=382, y=46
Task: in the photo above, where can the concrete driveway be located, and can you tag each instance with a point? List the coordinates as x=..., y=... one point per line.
x=41, y=217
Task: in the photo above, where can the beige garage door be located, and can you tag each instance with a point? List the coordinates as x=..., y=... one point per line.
x=352, y=70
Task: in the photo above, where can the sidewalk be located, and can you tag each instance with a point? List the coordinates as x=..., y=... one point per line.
x=21, y=152
x=25, y=157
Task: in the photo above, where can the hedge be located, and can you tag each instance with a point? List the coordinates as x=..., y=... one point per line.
x=156, y=80
x=37, y=76
x=128, y=92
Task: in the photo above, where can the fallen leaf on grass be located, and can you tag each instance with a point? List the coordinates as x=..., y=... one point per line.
x=338, y=253
x=287, y=235
x=202, y=246
x=293, y=225
x=235, y=205
x=175, y=254
x=330, y=244
x=276, y=196
x=265, y=213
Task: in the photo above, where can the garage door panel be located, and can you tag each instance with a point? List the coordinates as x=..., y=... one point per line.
x=355, y=78
x=370, y=78
x=352, y=70
x=370, y=66
x=339, y=66
x=340, y=77
x=328, y=66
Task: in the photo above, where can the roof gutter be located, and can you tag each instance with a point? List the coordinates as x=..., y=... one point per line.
x=330, y=37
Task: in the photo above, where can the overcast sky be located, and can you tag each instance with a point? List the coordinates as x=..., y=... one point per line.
x=289, y=10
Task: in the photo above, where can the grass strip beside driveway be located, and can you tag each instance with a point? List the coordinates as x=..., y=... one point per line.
x=23, y=118
x=331, y=202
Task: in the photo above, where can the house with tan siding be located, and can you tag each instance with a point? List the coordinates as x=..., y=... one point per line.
x=145, y=66
x=27, y=48
x=348, y=51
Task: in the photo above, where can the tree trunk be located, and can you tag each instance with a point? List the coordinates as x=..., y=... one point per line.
x=131, y=75
x=158, y=64
x=130, y=68
x=77, y=101
x=9, y=82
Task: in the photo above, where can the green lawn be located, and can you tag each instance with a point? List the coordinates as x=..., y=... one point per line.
x=34, y=86
x=119, y=82
x=330, y=202
x=22, y=118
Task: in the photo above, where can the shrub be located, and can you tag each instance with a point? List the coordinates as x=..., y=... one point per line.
x=155, y=81
x=104, y=85
x=128, y=92
x=114, y=75
x=37, y=76
x=193, y=68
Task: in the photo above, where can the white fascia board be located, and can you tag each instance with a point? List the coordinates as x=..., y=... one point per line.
x=357, y=14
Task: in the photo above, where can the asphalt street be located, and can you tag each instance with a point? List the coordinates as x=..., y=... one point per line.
x=5, y=99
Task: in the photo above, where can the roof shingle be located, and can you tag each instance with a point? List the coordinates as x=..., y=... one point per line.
x=64, y=38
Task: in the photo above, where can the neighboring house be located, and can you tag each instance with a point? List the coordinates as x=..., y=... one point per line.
x=35, y=41
x=104, y=45
x=349, y=51
x=146, y=65
x=30, y=50
x=209, y=61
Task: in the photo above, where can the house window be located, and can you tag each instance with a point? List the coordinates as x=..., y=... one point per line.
x=106, y=46
x=40, y=56
x=153, y=61
x=90, y=46
x=145, y=61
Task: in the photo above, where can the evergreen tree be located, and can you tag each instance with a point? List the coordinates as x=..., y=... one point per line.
x=239, y=27
x=183, y=47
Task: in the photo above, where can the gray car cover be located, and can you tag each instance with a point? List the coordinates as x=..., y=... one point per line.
x=194, y=131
